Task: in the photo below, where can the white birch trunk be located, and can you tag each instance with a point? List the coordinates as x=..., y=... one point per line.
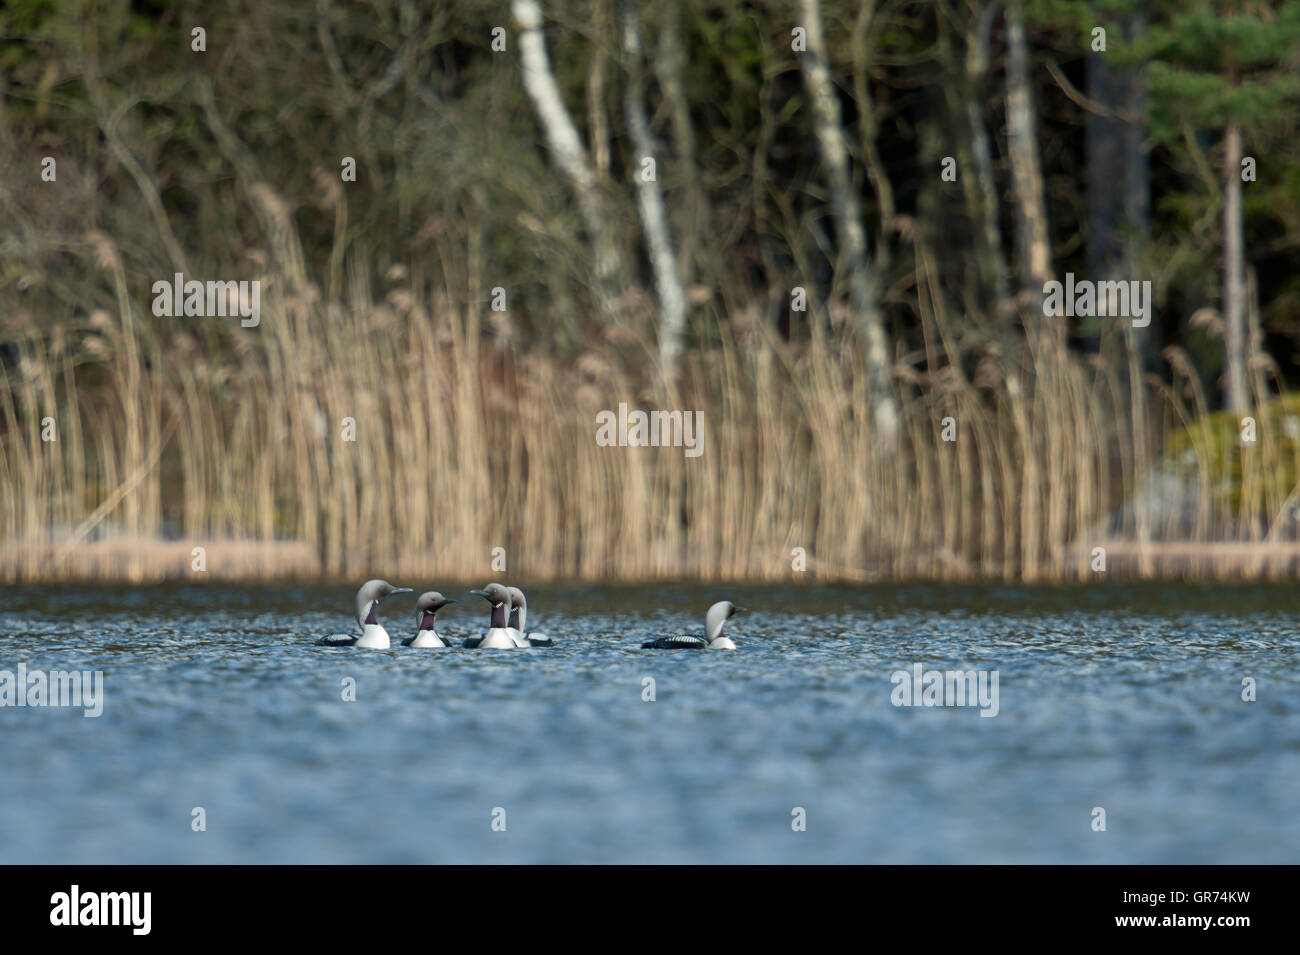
x=654, y=218
x=850, y=231
x=565, y=145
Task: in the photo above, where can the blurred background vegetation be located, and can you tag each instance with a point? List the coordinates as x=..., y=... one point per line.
x=799, y=151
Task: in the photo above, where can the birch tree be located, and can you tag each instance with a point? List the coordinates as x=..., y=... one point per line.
x=848, y=218
x=654, y=219
x=1234, y=272
x=566, y=147
x=1034, y=257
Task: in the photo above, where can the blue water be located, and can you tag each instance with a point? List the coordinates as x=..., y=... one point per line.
x=1128, y=699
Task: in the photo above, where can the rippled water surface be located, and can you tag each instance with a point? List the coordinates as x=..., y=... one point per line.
x=1124, y=698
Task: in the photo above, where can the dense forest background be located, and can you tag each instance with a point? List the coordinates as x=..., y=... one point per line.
x=826, y=226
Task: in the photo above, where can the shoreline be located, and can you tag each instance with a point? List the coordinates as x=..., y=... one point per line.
x=125, y=560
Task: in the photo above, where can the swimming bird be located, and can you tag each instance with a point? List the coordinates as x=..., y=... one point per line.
x=714, y=638
x=518, y=622
x=426, y=609
x=498, y=636
x=373, y=636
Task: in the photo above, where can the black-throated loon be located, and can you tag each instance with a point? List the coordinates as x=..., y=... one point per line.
x=373, y=636
x=714, y=638
x=519, y=622
x=498, y=636
x=426, y=610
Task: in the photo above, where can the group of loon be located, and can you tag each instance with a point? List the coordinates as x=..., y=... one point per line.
x=506, y=627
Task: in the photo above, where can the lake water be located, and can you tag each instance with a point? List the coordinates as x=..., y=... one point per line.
x=1124, y=698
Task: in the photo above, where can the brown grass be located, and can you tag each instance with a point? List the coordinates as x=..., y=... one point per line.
x=463, y=445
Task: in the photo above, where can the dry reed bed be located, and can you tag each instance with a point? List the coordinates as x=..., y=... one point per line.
x=462, y=446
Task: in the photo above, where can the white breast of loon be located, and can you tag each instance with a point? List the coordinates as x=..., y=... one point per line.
x=373, y=637
x=426, y=639
x=498, y=638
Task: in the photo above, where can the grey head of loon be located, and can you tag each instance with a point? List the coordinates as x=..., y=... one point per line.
x=717, y=616
x=518, y=608
x=519, y=621
x=427, y=607
x=368, y=597
x=499, y=598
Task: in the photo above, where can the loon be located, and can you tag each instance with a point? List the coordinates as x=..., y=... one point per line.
x=373, y=636
x=714, y=638
x=426, y=608
x=498, y=636
x=518, y=621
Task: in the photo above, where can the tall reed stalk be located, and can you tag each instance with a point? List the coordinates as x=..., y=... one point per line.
x=463, y=445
